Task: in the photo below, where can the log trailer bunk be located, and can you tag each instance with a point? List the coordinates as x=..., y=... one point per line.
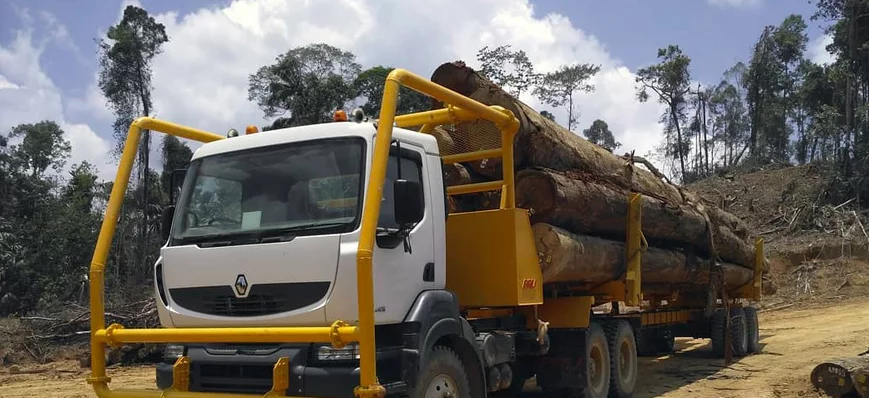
x=448, y=305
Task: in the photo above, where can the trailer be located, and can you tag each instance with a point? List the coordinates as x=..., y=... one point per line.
x=324, y=261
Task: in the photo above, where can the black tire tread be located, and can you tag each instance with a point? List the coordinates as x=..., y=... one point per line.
x=717, y=332
x=613, y=330
x=598, y=328
x=738, y=332
x=753, y=330
x=645, y=343
x=665, y=341
x=440, y=357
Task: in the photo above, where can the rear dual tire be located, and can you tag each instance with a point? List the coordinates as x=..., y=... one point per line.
x=611, y=360
x=744, y=332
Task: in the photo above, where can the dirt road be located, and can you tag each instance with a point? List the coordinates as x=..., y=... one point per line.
x=794, y=340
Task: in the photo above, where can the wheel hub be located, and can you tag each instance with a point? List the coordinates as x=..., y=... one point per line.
x=442, y=386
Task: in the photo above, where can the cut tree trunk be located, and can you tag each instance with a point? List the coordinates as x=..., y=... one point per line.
x=842, y=377
x=542, y=142
x=578, y=202
x=457, y=174
x=586, y=260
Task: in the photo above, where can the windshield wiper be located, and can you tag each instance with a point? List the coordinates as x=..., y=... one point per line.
x=262, y=236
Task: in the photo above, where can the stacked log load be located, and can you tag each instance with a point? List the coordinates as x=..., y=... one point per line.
x=577, y=194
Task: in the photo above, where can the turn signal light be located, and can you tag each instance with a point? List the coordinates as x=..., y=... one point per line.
x=339, y=116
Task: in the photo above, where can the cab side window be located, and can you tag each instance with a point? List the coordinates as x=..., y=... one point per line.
x=411, y=170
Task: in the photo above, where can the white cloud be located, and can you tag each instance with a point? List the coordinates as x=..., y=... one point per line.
x=735, y=3
x=200, y=79
x=816, y=50
x=28, y=95
x=6, y=84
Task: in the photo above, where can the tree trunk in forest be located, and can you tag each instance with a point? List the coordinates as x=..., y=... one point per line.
x=569, y=257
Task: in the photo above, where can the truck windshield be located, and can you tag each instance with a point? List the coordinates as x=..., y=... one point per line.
x=302, y=188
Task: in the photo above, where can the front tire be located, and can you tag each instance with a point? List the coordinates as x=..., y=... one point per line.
x=443, y=375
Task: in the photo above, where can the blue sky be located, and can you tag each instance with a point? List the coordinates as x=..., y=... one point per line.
x=48, y=61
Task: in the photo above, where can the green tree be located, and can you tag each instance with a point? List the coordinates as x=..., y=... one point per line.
x=125, y=57
x=771, y=81
x=669, y=80
x=547, y=115
x=307, y=82
x=730, y=122
x=600, y=134
x=176, y=155
x=369, y=85
x=558, y=88
x=42, y=146
x=512, y=70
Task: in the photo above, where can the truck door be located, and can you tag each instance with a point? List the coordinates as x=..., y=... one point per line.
x=402, y=267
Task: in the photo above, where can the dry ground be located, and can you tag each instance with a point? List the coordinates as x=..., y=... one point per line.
x=794, y=339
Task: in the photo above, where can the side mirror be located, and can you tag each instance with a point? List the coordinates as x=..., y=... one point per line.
x=166, y=221
x=176, y=179
x=408, y=202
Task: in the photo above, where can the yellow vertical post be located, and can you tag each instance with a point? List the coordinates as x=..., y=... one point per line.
x=633, y=272
x=757, y=285
x=508, y=194
x=369, y=385
x=101, y=253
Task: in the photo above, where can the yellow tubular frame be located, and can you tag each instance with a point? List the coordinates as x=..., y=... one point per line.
x=459, y=108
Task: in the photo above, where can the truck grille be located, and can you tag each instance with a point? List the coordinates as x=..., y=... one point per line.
x=264, y=299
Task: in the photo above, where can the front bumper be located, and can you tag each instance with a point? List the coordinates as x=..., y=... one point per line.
x=248, y=369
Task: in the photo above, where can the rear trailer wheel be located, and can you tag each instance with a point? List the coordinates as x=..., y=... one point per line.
x=716, y=332
x=443, y=376
x=597, y=355
x=738, y=332
x=623, y=358
x=665, y=341
x=753, y=330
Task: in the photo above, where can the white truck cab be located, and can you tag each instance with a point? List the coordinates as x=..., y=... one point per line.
x=265, y=233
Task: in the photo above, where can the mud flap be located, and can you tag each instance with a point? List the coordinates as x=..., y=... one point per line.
x=564, y=367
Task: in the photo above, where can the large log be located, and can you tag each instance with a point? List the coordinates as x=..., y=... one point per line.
x=842, y=377
x=571, y=200
x=542, y=142
x=581, y=259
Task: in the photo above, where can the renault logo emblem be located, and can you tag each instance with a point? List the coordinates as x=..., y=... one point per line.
x=241, y=285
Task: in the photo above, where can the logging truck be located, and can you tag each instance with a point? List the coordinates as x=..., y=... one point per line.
x=328, y=261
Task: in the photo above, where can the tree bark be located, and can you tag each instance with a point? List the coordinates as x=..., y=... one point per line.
x=542, y=142
x=568, y=257
x=576, y=202
x=456, y=174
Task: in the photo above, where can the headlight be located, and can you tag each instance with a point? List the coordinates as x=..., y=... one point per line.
x=347, y=353
x=173, y=351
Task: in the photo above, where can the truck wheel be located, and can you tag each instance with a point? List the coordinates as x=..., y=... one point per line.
x=597, y=356
x=623, y=358
x=443, y=375
x=739, y=332
x=716, y=332
x=645, y=348
x=665, y=340
x=753, y=330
